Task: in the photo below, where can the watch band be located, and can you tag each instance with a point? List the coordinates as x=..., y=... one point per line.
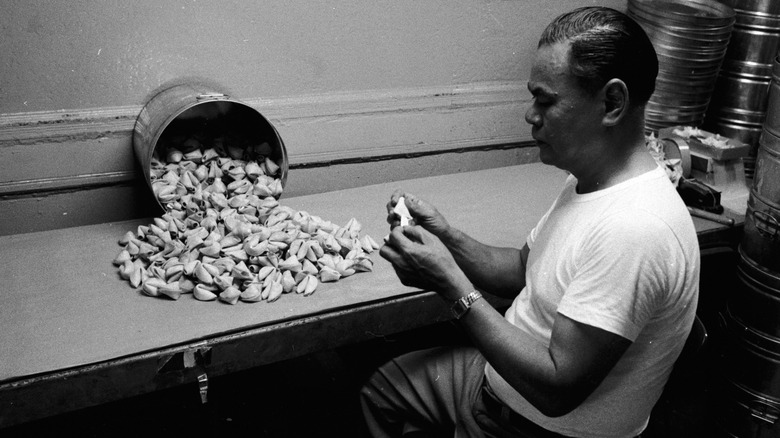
x=462, y=306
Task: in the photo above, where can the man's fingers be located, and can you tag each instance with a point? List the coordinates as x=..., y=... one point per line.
x=396, y=237
x=391, y=254
x=393, y=220
x=399, y=240
x=413, y=204
x=415, y=233
x=396, y=258
x=396, y=194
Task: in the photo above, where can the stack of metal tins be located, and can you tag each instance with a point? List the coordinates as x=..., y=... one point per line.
x=738, y=105
x=749, y=404
x=691, y=38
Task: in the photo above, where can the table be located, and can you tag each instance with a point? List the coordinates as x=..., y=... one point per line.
x=76, y=335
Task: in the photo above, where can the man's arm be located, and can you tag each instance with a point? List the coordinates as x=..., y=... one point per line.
x=555, y=379
x=496, y=270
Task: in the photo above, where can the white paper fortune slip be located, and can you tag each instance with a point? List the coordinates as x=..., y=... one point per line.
x=401, y=210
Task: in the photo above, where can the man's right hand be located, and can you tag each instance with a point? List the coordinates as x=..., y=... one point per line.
x=423, y=213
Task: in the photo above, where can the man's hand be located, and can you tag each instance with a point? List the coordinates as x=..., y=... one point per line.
x=421, y=260
x=423, y=213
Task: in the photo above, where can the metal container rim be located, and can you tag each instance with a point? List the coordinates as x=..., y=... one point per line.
x=716, y=12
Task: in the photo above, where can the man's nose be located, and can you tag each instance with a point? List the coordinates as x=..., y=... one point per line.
x=532, y=116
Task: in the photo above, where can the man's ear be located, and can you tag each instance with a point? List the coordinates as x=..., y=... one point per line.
x=615, y=102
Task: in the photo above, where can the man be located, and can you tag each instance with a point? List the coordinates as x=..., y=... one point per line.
x=607, y=280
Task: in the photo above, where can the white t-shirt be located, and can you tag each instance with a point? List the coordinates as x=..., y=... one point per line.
x=624, y=259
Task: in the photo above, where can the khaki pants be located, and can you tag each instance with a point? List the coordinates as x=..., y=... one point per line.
x=439, y=392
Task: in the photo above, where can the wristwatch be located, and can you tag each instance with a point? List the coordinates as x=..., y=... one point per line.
x=462, y=306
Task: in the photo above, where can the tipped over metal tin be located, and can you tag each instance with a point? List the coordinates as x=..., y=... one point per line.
x=186, y=117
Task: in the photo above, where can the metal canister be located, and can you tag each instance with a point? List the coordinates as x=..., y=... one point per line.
x=755, y=38
x=757, y=297
x=766, y=181
x=690, y=38
x=772, y=122
x=752, y=359
x=739, y=103
x=761, y=235
x=184, y=109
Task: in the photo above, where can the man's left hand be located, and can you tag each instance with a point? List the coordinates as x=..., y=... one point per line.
x=421, y=260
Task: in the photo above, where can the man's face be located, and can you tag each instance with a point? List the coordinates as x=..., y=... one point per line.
x=564, y=118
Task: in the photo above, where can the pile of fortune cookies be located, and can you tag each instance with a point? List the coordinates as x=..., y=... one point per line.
x=224, y=235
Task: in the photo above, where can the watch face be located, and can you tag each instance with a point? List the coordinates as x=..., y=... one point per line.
x=464, y=304
x=460, y=307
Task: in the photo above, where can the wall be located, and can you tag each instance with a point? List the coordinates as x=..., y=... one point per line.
x=342, y=81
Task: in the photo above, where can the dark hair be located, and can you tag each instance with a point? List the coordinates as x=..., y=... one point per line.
x=606, y=44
